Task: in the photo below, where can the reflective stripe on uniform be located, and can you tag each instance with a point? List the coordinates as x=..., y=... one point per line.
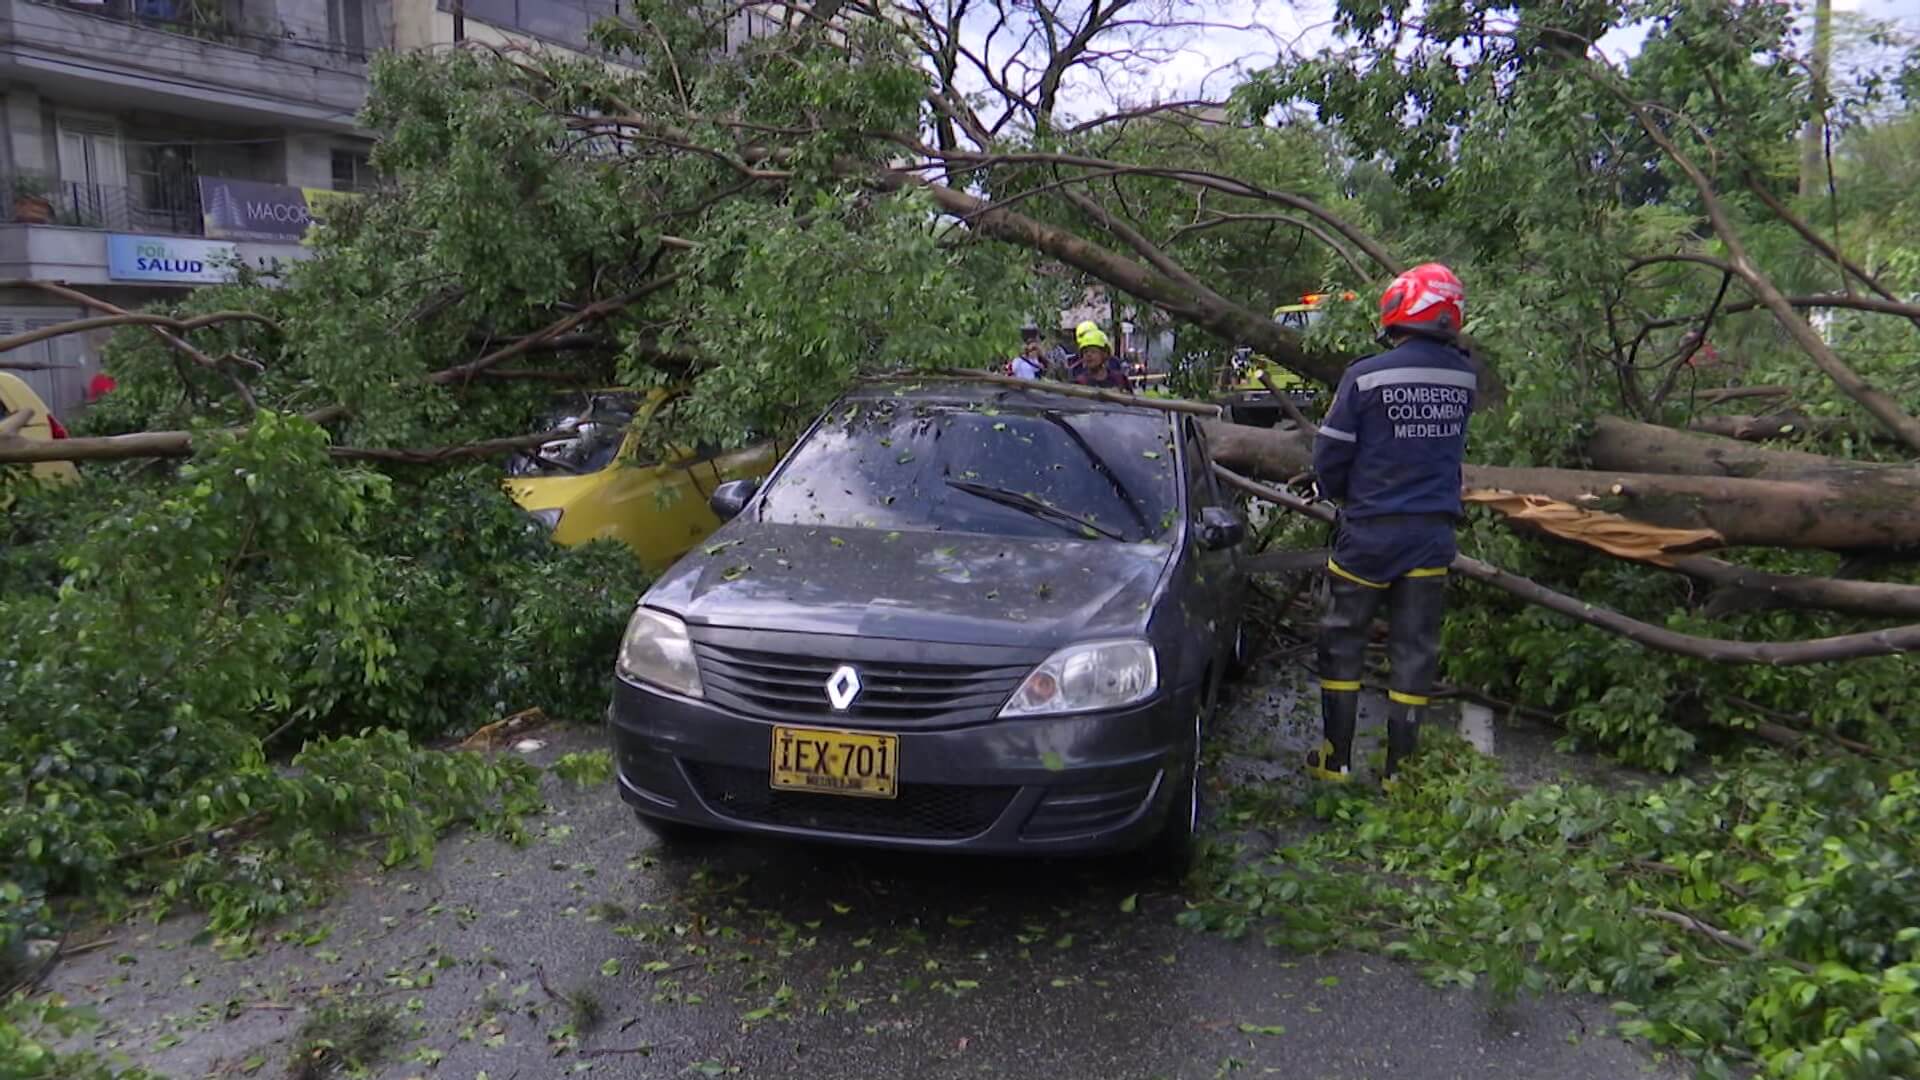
x=1428, y=571
x=1353, y=577
x=1405, y=375
x=1336, y=433
x=1348, y=685
x=1406, y=699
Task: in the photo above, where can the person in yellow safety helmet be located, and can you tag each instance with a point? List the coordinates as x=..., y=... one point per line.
x=1094, y=365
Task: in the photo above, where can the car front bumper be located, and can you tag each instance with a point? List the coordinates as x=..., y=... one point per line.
x=1083, y=784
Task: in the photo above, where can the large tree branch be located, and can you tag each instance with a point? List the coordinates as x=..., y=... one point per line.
x=1817, y=300
x=437, y=454
x=1835, y=510
x=1200, y=178
x=1882, y=407
x=1182, y=109
x=1820, y=244
x=180, y=443
x=1208, y=310
x=1311, y=228
x=1133, y=238
x=1744, y=588
x=1889, y=642
x=144, y=444
x=81, y=326
x=599, y=309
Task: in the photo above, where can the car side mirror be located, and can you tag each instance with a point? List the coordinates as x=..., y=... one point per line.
x=1220, y=528
x=731, y=497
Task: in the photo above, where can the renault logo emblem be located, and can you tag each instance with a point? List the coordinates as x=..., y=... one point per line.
x=842, y=687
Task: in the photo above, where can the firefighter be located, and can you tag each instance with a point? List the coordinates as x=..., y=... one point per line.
x=1389, y=454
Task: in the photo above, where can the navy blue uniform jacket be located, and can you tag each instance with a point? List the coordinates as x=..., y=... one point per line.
x=1392, y=446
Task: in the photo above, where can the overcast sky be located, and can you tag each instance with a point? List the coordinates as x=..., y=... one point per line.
x=1205, y=62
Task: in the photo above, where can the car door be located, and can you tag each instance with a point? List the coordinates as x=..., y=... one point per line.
x=1216, y=577
x=651, y=501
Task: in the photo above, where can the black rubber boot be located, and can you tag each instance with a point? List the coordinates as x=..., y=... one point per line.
x=1416, y=604
x=1343, y=651
x=1333, y=760
x=1403, y=736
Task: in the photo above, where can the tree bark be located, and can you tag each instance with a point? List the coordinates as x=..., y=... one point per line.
x=1831, y=510
x=15, y=450
x=1204, y=308
x=1780, y=425
x=1737, y=588
x=1875, y=401
x=1902, y=639
x=1632, y=446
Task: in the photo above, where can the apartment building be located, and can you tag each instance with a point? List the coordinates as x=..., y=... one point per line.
x=146, y=146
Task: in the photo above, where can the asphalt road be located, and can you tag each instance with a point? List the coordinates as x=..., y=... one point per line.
x=593, y=949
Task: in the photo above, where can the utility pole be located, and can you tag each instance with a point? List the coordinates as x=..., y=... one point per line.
x=1813, y=139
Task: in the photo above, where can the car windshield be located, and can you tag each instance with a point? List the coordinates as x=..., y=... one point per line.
x=1012, y=472
x=601, y=426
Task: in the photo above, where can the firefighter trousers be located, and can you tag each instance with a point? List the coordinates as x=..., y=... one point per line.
x=1415, y=603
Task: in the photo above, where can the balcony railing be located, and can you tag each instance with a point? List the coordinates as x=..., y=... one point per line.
x=168, y=208
x=265, y=34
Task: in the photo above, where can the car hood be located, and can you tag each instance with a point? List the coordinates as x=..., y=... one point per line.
x=959, y=588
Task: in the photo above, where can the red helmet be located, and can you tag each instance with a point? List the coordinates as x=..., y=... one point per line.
x=1427, y=299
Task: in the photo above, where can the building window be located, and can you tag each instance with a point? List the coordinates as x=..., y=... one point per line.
x=347, y=25
x=352, y=171
x=166, y=189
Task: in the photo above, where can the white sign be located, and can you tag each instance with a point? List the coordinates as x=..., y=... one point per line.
x=170, y=258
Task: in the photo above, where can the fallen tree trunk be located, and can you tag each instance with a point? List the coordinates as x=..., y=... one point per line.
x=149, y=444
x=1897, y=640
x=1826, y=510
x=1632, y=446
x=1786, y=424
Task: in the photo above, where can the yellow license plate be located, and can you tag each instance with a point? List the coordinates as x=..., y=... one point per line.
x=835, y=762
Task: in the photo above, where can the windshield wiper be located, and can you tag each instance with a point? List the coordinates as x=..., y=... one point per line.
x=1100, y=465
x=1032, y=506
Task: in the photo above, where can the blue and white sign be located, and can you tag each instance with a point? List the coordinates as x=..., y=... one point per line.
x=169, y=258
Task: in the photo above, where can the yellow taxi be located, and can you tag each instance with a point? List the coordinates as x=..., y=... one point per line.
x=610, y=480
x=16, y=396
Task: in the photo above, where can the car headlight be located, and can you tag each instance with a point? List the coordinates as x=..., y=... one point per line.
x=1081, y=678
x=657, y=651
x=549, y=518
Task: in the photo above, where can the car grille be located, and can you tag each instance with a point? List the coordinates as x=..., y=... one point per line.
x=1072, y=811
x=892, y=693
x=925, y=811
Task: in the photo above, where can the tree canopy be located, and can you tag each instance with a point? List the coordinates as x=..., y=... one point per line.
x=888, y=186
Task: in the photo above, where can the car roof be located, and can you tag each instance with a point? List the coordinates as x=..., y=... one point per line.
x=964, y=392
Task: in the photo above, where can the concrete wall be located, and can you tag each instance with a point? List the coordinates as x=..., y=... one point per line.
x=103, y=61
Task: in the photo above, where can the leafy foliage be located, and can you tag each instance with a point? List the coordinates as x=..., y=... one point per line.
x=166, y=635
x=229, y=664
x=1580, y=888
